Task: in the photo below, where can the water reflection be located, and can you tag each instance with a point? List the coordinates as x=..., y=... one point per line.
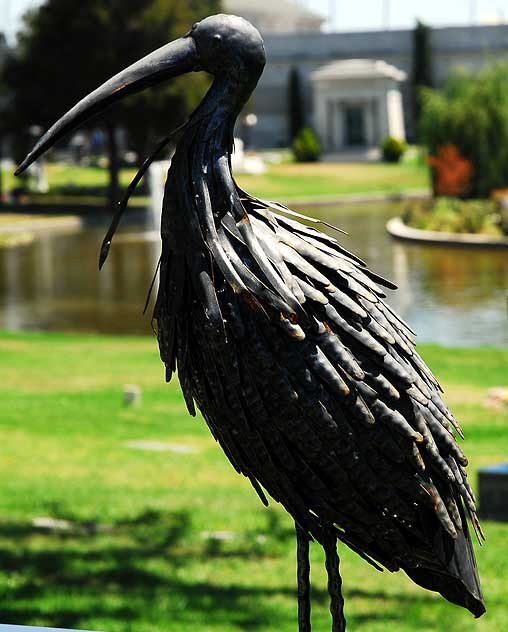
x=455, y=295
x=450, y=296
x=54, y=284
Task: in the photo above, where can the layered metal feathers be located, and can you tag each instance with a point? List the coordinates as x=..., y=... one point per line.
x=307, y=378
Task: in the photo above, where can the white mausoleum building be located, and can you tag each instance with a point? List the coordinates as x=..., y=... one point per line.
x=357, y=103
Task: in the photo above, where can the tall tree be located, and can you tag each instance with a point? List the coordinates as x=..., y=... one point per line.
x=66, y=49
x=3, y=105
x=296, y=107
x=422, y=75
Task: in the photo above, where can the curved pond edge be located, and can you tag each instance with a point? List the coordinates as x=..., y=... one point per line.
x=399, y=230
x=65, y=223
x=351, y=199
x=39, y=224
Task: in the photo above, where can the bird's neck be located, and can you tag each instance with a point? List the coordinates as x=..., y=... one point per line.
x=227, y=97
x=200, y=185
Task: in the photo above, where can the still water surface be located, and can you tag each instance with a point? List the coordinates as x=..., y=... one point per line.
x=456, y=297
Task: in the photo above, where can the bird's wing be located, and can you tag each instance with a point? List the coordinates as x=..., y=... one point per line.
x=371, y=350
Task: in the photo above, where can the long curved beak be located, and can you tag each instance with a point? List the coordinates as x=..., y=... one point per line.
x=172, y=60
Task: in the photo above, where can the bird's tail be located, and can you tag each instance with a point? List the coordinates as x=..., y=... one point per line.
x=455, y=574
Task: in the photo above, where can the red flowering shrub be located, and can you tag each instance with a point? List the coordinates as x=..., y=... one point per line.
x=452, y=172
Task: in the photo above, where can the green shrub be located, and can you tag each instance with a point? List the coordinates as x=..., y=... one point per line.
x=393, y=149
x=502, y=220
x=306, y=146
x=452, y=215
x=471, y=113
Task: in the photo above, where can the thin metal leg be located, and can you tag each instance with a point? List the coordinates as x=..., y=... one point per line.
x=303, y=575
x=334, y=583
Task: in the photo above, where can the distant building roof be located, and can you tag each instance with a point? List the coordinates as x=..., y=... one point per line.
x=358, y=69
x=276, y=16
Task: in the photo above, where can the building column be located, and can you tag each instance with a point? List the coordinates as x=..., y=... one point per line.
x=395, y=114
x=330, y=125
x=384, y=125
x=320, y=116
x=339, y=117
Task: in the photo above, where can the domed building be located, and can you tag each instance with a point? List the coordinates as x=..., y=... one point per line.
x=276, y=16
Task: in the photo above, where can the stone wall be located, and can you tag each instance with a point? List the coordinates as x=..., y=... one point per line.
x=453, y=47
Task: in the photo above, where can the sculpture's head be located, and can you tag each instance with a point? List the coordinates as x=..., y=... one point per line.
x=228, y=44
x=223, y=45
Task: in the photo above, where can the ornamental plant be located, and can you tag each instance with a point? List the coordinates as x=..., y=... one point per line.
x=306, y=146
x=393, y=149
x=451, y=172
x=471, y=113
x=453, y=215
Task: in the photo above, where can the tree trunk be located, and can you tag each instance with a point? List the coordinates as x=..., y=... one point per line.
x=114, y=166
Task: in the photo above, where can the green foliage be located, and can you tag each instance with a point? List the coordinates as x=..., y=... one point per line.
x=306, y=146
x=67, y=49
x=454, y=215
x=471, y=112
x=422, y=75
x=393, y=149
x=4, y=98
x=4, y=92
x=296, y=106
x=503, y=220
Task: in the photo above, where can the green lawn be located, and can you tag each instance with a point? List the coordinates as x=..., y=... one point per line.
x=139, y=555
x=322, y=180
x=60, y=175
x=283, y=182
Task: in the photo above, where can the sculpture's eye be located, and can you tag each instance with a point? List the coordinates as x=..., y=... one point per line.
x=217, y=39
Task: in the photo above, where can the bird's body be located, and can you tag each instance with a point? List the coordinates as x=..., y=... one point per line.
x=304, y=375
x=327, y=407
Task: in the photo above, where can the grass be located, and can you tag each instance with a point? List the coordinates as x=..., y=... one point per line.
x=142, y=550
x=284, y=182
x=61, y=175
x=321, y=180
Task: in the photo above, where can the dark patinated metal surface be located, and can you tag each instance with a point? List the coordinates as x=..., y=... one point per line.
x=304, y=375
x=493, y=492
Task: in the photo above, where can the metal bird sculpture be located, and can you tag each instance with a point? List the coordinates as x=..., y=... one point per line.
x=304, y=375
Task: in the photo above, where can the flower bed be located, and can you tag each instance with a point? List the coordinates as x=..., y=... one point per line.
x=452, y=215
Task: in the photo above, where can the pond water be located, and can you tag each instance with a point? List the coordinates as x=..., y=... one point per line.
x=456, y=297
